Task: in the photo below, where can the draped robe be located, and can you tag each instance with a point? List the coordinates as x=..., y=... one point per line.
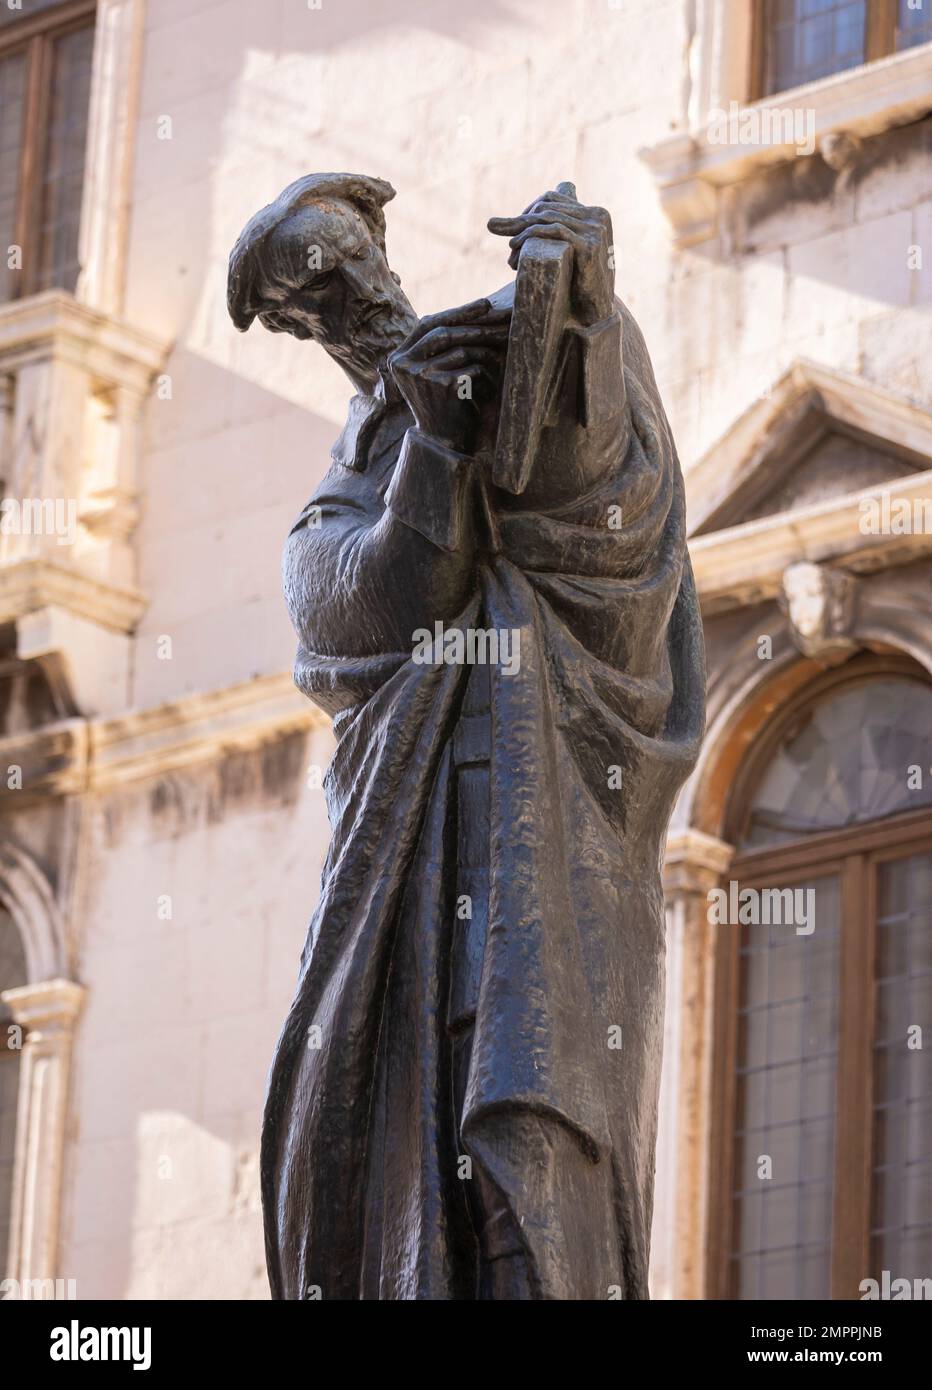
x=362, y=1155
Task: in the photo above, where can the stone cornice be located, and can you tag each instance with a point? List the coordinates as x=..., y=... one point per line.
x=55, y=324
x=755, y=436
x=28, y=586
x=690, y=165
x=197, y=728
x=78, y=755
x=745, y=564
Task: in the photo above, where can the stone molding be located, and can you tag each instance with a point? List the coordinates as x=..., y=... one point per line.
x=745, y=563
x=28, y=898
x=29, y=587
x=690, y=166
x=694, y=861
x=79, y=755
x=55, y=324
x=197, y=728
x=757, y=436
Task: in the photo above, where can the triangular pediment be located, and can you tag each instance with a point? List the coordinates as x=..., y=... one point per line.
x=818, y=434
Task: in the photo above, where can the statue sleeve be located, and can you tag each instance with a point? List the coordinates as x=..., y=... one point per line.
x=361, y=574
x=431, y=492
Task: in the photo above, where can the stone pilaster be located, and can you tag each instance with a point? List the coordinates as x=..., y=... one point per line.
x=694, y=863
x=47, y=1013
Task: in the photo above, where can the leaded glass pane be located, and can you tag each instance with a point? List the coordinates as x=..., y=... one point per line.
x=913, y=23
x=12, y=98
x=784, y=1142
x=63, y=181
x=12, y=960
x=901, y=1208
x=856, y=756
x=809, y=39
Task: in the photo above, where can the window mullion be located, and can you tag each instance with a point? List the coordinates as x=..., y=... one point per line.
x=757, y=63
x=35, y=127
x=881, y=29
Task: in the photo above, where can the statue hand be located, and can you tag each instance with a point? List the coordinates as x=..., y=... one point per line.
x=449, y=367
x=560, y=216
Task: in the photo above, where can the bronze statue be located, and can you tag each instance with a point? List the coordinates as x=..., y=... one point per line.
x=493, y=600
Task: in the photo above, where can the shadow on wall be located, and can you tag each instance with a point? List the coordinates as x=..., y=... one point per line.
x=239, y=430
x=283, y=88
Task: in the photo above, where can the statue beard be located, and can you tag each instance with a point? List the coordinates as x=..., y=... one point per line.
x=374, y=342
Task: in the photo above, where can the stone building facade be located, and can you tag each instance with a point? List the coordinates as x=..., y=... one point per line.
x=768, y=168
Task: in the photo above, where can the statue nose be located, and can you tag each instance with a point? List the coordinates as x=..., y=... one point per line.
x=358, y=281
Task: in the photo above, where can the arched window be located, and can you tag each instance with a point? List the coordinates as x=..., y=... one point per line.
x=12, y=974
x=825, y=1105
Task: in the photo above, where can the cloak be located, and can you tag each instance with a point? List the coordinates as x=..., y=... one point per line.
x=591, y=737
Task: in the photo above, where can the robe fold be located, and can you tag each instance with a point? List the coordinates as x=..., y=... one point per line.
x=363, y=1158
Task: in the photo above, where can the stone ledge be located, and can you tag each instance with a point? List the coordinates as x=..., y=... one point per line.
x=197, y=728
x=744, y=564
x=54, y=322
x=79, y=755
x=690, y=167
x=27, y=586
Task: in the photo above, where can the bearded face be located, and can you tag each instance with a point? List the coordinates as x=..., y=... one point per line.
x=325, y=277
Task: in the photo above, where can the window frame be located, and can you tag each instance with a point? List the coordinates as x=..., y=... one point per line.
x=33, y=36
x=879, y=42
x=854, y=854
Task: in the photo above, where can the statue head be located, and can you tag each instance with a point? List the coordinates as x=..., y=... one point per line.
x=313, y=264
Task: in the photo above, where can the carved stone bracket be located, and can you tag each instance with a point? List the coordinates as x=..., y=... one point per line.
x=819, y=603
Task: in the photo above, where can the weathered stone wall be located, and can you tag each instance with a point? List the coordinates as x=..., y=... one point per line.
x=195, y=918
x=470, y=110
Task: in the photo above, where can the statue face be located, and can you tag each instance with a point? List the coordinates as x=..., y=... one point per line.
x=325, y=278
